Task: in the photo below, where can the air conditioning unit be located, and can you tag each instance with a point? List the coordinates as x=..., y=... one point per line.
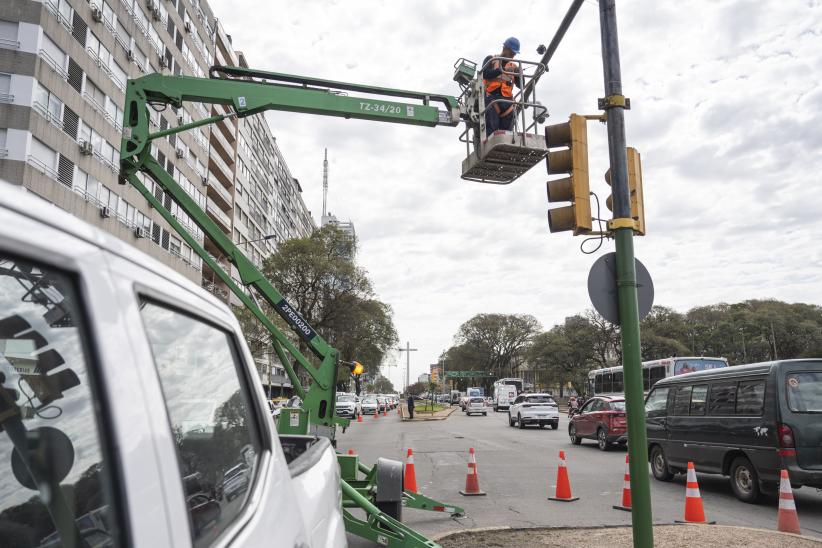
x=204, y=179
x=163, y=62
x=187, y=26
x=105, y=212
x=180, y=120
x=141, y=232
x=130, y=55
x=155, y=13
x=85, y=148
x=96, y=14
x=181, y=153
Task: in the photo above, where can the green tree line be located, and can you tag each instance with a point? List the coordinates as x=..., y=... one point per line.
x=745, y=332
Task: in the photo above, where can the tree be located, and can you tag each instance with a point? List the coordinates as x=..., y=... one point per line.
x=567, y=351
x=496, y=339
x=382, y=385
x=319, y=278
x=417, y=388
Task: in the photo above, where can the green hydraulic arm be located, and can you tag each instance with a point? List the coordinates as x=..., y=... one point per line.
x=244, y=92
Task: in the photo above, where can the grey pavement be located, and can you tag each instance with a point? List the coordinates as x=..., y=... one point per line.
x=517, y=468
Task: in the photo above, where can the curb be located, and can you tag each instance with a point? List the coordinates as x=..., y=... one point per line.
x=440, y=536
x=424, y=419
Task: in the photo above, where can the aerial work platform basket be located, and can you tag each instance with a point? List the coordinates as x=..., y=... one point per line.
x=503, y=156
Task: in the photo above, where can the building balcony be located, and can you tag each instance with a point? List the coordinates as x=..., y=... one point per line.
x=220, y=170
x=217, y=215
x=217, y=192
x=224, y=147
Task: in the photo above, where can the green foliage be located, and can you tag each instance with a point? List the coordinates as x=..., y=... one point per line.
x=416, y=389
x=320, y=278
x=491, y=342
x=382, y=385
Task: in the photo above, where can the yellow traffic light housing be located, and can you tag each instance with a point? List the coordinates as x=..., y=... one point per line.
x=635, y=188
x=357, y=368
x=573, y=161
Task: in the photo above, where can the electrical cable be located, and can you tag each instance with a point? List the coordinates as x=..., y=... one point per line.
x=38, y=411
x=600, y=237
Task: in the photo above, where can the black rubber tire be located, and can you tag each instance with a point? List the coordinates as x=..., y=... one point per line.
x=485, y=414
x=393, y=509
x=745, y=480
x=572, y=433
x=602, y=439
x=541, y=425
x=659, y=464
x=554, y=425
x=519, y=422
x=510, y=420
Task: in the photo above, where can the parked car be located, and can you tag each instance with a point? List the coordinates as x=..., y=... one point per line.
x=135, y=429
x=602, y=418
x=348, y=406
x=539, y=409
x=476, y=405
x=235, y=482
x=747, y=422
x=370, y=405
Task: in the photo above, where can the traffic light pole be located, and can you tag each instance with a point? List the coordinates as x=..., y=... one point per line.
x=626, y=280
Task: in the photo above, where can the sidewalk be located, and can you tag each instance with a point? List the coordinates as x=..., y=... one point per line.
x=438, y=416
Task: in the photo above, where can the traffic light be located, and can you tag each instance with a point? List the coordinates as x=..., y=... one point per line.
x=356, y=368
x=573, y=161
x=634, y=187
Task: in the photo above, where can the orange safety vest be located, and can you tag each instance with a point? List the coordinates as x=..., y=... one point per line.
x=505, y=82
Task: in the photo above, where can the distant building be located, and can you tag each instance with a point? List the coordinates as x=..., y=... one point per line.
x=436, y=373
x=424, y=378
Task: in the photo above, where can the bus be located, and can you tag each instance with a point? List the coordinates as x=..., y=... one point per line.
x=609, y=380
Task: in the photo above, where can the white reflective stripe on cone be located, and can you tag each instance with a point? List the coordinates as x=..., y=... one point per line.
x=787, y=504
x=691, y=492
x=691, y=475
x=626, y=484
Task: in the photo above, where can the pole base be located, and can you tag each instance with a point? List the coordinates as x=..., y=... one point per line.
x=477, y=494
x=617, y=507
x=696, y=522
x=572, y=499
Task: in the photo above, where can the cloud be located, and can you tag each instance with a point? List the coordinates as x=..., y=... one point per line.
x=725, y=111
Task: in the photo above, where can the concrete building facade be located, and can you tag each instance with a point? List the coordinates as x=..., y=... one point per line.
x=63, y=71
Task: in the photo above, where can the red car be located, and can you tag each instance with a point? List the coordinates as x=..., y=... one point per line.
x=602, y=418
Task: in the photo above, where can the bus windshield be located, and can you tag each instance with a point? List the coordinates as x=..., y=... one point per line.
x=697, y=364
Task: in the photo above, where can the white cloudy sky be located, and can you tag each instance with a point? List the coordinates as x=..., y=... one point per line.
x=726, y=113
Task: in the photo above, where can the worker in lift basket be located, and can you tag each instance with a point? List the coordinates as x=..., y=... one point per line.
x=499, y=78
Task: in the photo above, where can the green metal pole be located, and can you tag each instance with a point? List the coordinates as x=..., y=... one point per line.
x=641, y=517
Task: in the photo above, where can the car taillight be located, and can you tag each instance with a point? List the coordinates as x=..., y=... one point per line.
x=785, y=435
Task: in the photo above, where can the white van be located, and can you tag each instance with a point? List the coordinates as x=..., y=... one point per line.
x=504, y=396
x=130, y=403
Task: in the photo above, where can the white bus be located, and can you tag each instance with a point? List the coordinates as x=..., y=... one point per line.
x=609, y=380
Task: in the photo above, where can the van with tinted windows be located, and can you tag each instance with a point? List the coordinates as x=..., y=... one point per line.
x=747, y=422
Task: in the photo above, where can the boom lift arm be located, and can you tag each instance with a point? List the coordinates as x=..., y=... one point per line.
x=246, y=92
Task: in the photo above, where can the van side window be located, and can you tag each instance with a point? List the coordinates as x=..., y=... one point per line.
x=804, y=391
x=682, y=400
x=55, y=482
x=722, y=398
x=657, y=402
x=750, y=397
x=699, y=396
x=657, y=373
x=211, y=417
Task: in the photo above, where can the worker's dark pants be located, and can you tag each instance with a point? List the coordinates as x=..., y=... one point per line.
x=494, y=121
x=410, y=412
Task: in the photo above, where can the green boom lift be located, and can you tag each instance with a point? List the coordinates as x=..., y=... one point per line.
x=244, y=92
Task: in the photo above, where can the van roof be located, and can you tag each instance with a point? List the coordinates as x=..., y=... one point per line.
x=734, y=371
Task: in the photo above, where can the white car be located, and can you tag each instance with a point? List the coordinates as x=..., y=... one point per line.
x=370, y=405
x=476, y=405
x=348, y=406
x=138, y=391
x=540, y=409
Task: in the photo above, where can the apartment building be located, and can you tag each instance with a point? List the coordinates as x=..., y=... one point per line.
x=63, y=70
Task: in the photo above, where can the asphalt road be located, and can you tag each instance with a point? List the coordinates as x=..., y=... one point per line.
x=517, y=468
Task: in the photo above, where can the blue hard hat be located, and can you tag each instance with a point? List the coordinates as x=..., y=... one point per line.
x=512, y=44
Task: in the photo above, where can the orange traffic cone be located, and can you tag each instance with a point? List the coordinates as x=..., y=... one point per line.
x=359, y=417
x=563, y=491
x=472, y=479
x=694, y=513
x=377, y=414
x=626, y=489
x=788, y=520
x=399, y=411
x=410, y=482
x=385, y=412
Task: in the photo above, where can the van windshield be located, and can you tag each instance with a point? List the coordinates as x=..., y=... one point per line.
x=804, y=392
